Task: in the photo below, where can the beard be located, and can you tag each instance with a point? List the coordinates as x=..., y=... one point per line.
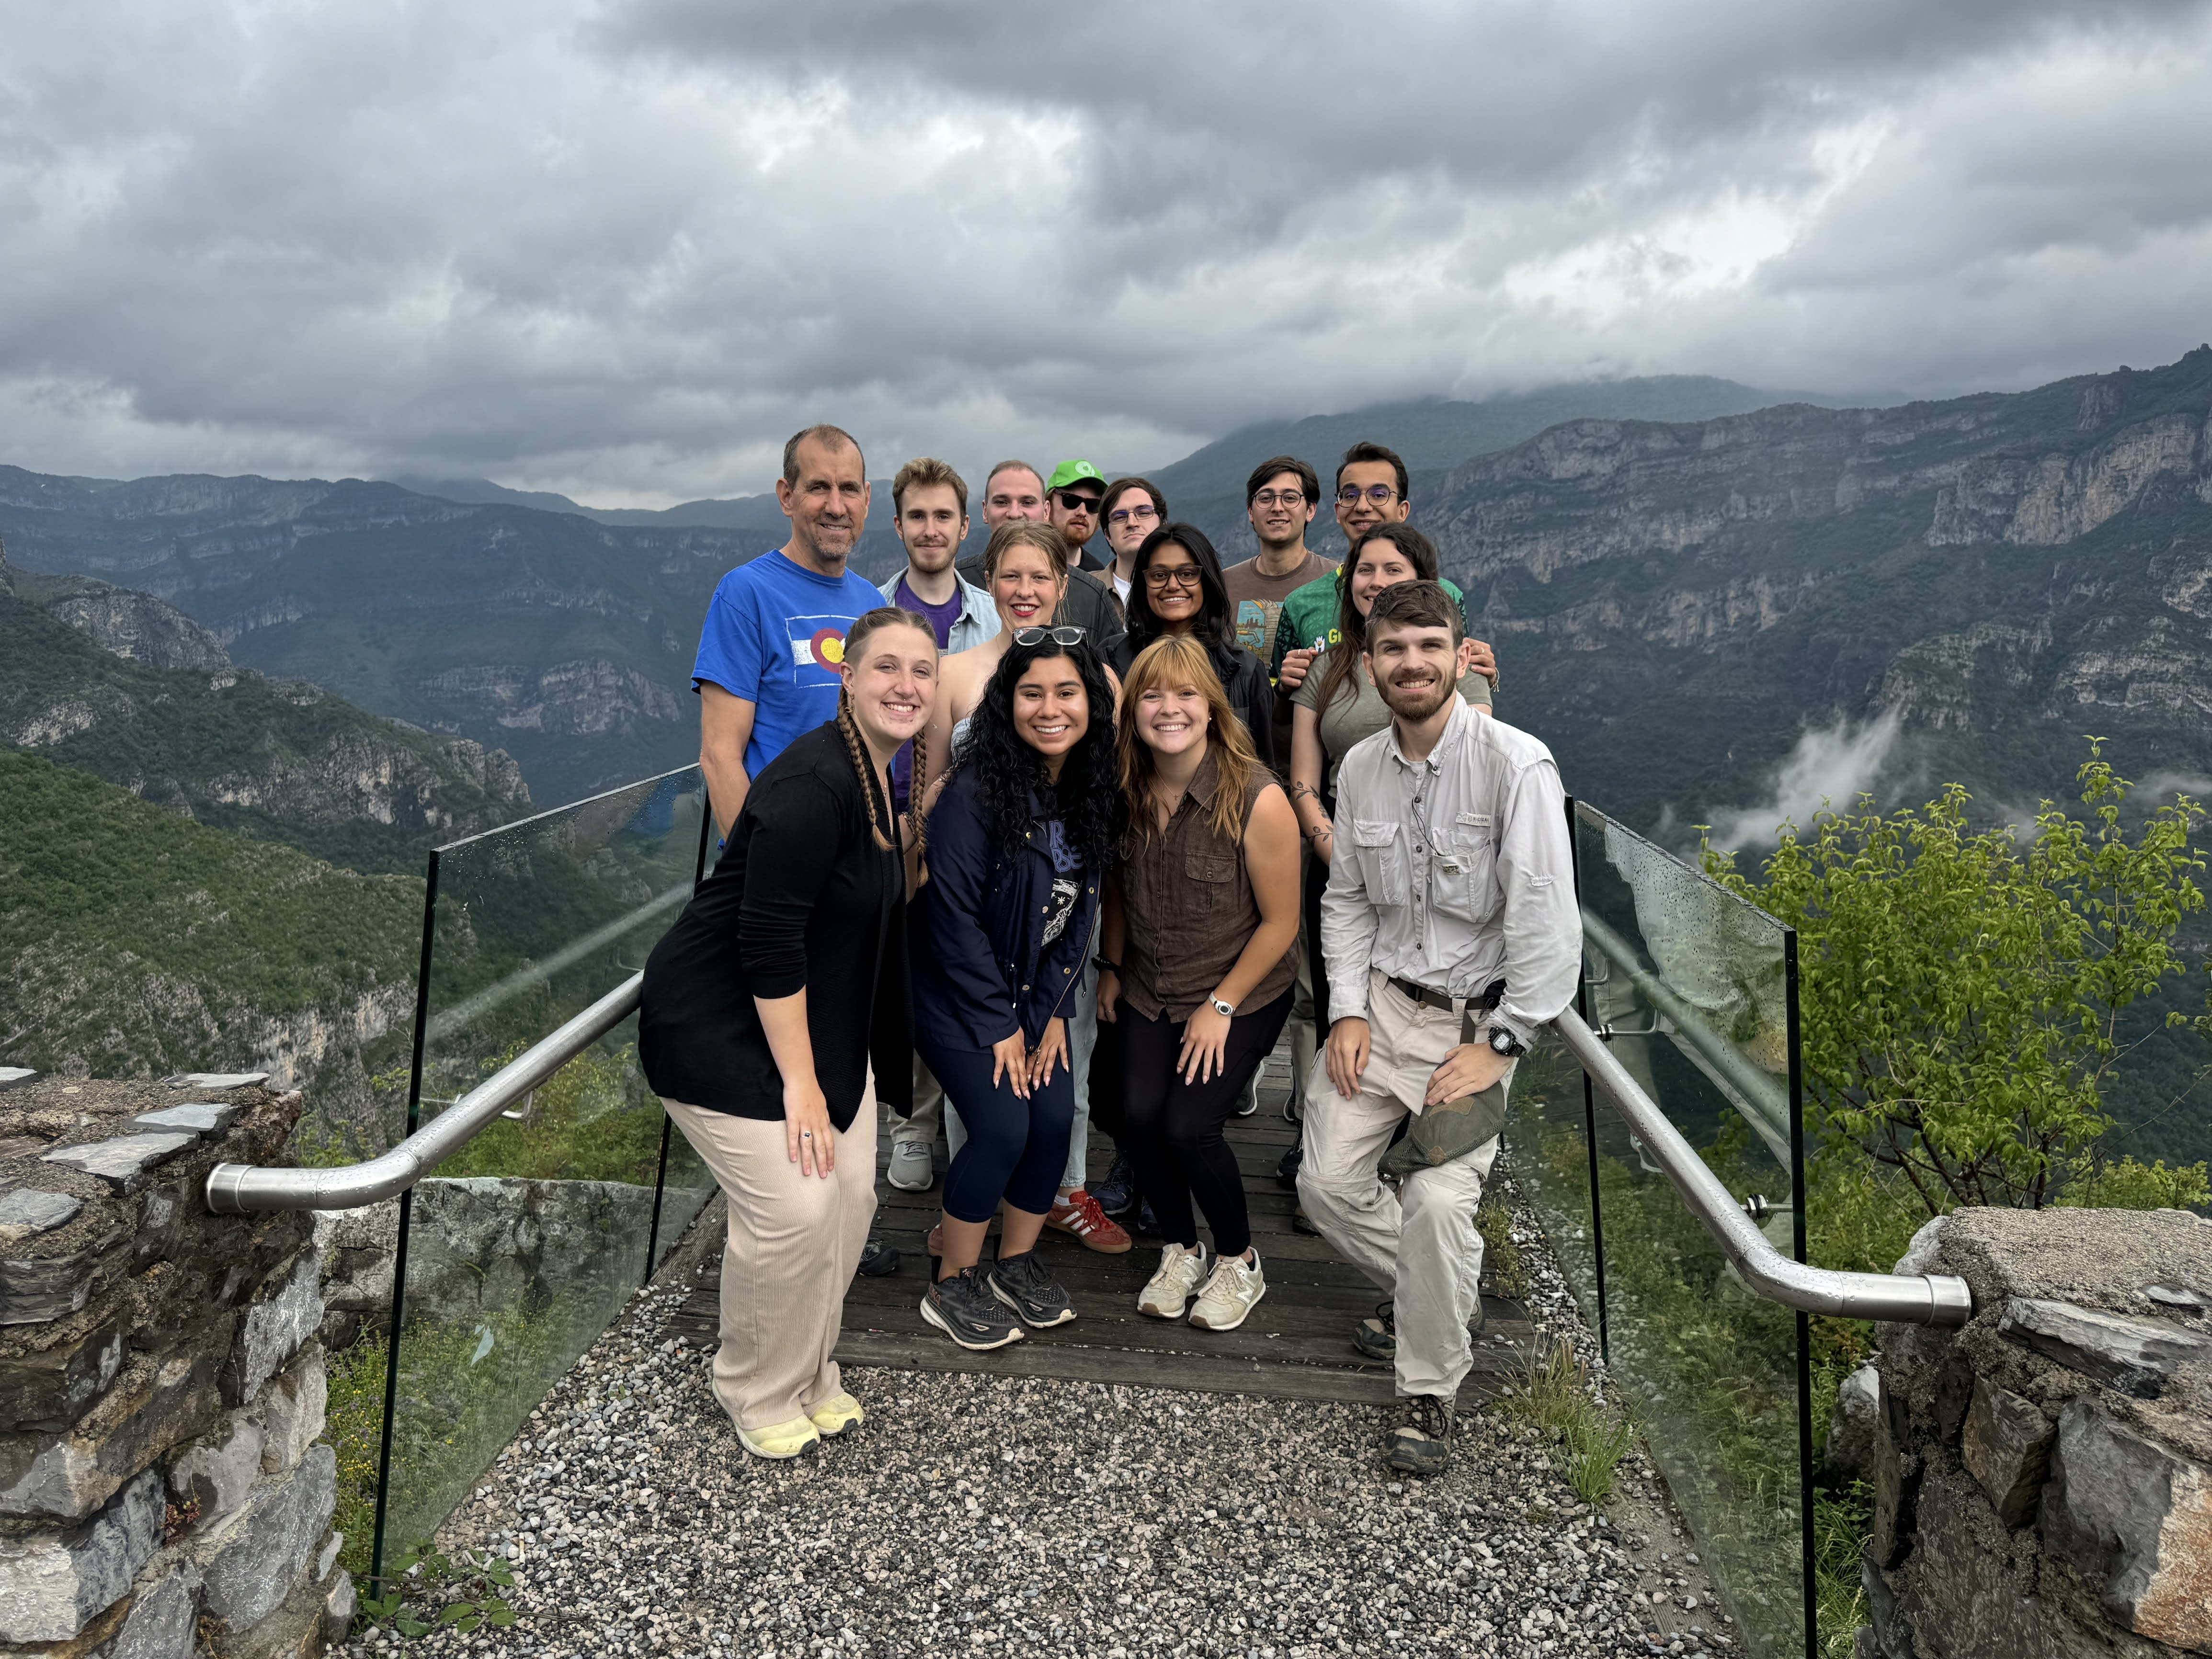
x=1415, y=703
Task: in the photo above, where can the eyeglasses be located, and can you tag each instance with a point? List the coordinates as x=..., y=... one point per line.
x=1132, y=515
x=1063, y=634
x=1279, y=498
x=1175, y=576
x=1350, y=494
x=1074, y=503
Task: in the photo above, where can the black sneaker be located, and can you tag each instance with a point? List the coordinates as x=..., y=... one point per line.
x=1117, y=1193
x=878, y=1258
x=1027, y=1286
x=1286, y=1171
x=1376, y=1336
x=1422, y=1443
x=1148, y=1224
x=964, y=1308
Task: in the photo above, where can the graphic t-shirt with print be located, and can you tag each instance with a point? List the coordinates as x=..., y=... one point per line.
x=774, y=635
x=1255, y=598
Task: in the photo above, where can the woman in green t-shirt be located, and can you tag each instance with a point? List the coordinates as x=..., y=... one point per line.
x=1337, y=706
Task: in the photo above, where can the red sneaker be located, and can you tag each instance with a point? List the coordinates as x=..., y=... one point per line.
x=1078, y=1216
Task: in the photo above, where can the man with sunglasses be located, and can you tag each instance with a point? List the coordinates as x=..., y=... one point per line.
x=1073, y=496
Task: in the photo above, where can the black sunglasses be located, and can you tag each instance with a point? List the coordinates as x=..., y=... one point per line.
x=1063, y=634
x=1075, y=503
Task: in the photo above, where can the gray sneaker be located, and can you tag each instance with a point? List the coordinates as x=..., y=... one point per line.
x=1376, y=1336
x=964, y=1308
x=1422, y=1443
x=912, y=1170
x=1023, y=1284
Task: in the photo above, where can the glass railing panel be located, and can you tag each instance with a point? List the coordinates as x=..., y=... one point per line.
x=1693, y=989
x=1549, y=1162
x=523, y=1246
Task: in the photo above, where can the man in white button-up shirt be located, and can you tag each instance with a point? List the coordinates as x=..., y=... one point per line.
x=1451, y=935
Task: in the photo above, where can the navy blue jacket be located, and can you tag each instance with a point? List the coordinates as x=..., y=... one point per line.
x=979, y=964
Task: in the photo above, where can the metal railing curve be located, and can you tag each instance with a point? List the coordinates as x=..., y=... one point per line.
x=1892, y=1299
x=236, y=1188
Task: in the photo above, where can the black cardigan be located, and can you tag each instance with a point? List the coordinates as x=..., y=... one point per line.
x=803, y=899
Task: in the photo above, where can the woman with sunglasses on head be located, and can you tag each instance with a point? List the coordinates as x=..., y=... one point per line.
x=1176, y=591
x=1200, y=948
x=1018, y=841
x=1025, y=573
x=770, y=1011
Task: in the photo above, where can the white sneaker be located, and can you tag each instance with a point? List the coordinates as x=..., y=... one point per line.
x=1171, y=1288
x=912, y=1170
x=1233, y=1292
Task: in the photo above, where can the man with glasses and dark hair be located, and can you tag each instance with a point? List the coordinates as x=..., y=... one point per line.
x=1017, y=490
x=1132, y=510
x=1280, y=499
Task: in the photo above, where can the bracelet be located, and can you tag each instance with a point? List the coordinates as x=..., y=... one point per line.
x=1104, y=966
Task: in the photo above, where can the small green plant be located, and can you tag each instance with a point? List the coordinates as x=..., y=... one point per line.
x=426, y=1590
x=1509, y=1273
x=1556, y=1396
x=353, y=1424
x=1840, y=1520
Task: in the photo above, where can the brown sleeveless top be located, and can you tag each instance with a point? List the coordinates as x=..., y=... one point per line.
x=1190, y=908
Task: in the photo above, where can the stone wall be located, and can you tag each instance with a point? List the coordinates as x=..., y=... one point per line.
x=2043, y=1476
x=162, y=1492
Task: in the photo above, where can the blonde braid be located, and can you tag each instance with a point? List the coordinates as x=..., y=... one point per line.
x=851, y=730
x=919, y=819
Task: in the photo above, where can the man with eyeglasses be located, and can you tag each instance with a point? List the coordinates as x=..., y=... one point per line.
x=1280, y=498
x=1132, y=510
x=1015, y=491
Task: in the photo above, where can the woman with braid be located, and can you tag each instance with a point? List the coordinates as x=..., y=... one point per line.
x=772, y=1008
x=1018, y=841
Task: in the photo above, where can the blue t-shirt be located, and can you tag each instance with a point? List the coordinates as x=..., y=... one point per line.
x=774, y=635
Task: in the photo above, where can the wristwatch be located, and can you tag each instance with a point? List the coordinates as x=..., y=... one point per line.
x=1226, y=1010
x=1503, y=1042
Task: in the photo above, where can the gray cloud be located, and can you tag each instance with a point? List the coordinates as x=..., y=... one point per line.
x=623, y=249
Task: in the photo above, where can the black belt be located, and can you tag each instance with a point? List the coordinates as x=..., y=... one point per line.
x=1421, y=993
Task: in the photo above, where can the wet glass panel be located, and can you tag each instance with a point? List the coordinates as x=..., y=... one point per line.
x=522, y=1246
x=1690, y=986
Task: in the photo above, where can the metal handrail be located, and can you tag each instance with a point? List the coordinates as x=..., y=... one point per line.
x=235, y=1188
x=1892, y=1299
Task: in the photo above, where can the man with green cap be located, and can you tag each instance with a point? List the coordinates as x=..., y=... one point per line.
x=1072, y=496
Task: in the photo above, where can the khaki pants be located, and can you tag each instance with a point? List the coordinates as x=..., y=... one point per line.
x=1420, y=1244
x=793, y=1242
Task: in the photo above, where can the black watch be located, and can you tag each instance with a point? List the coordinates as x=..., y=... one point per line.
x=1503, y=1042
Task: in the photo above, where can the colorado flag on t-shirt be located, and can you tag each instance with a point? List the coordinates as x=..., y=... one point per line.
x=818, y=647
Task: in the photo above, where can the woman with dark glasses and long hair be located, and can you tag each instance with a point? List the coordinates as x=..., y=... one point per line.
x=1176, y=590
x=1018, y=841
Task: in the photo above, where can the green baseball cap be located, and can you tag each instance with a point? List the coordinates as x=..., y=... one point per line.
x=1073, y=472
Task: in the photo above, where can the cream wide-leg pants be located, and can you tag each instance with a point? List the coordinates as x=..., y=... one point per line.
x=794, y=1242
x=1419, y=1244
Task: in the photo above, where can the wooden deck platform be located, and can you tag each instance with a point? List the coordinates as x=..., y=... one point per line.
x=1296, y=1346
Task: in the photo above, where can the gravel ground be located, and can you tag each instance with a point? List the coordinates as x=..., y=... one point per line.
x=1002, y=1514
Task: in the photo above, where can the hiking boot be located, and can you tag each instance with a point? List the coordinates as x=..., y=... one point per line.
x=1422, y=1443
x=1078, y=1216
x=1171, y=1289
x=1027, y=1286
x=1233, y=1292
x=1286, y=1169
x=1376, y=1336
x=780, y=1440
x=878, y=1258
x=1117, y=1193
x=912, y=1170
x=964, y=1308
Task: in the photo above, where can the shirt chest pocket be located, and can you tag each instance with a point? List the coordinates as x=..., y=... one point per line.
x=1382, y=863
x=1211, y=881
x=1463, y=866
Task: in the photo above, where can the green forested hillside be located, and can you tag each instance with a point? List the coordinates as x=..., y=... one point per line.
x=275, y=760
x=134, y=942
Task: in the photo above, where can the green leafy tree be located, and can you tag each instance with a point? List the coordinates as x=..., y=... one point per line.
x=1962, y=990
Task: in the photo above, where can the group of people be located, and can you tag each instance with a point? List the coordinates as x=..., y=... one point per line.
x=1041, y=839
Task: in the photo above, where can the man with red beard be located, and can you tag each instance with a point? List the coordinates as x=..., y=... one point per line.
x=1450, y=936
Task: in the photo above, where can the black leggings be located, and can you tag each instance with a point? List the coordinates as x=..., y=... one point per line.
x=1174, y=1127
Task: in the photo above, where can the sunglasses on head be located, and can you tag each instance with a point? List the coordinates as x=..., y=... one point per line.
x=1063, y=634
x=1075, y=503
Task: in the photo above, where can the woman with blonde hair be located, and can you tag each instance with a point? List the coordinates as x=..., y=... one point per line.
x=771, y=1010
x=1200, y=933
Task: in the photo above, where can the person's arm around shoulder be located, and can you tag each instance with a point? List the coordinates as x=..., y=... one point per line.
x=1307, y=762
x=1485, y=661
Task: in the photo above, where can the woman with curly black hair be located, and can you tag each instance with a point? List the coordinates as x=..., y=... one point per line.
x=1176, y=589
x=1018, y=841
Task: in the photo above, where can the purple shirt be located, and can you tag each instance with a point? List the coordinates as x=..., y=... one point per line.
x=940, y=618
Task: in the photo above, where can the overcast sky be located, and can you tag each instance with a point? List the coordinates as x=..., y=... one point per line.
x=622, y=249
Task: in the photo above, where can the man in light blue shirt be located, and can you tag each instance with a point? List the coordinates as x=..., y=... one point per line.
x=774, y=634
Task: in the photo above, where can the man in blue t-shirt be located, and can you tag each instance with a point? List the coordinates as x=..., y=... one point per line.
x=774, y=633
